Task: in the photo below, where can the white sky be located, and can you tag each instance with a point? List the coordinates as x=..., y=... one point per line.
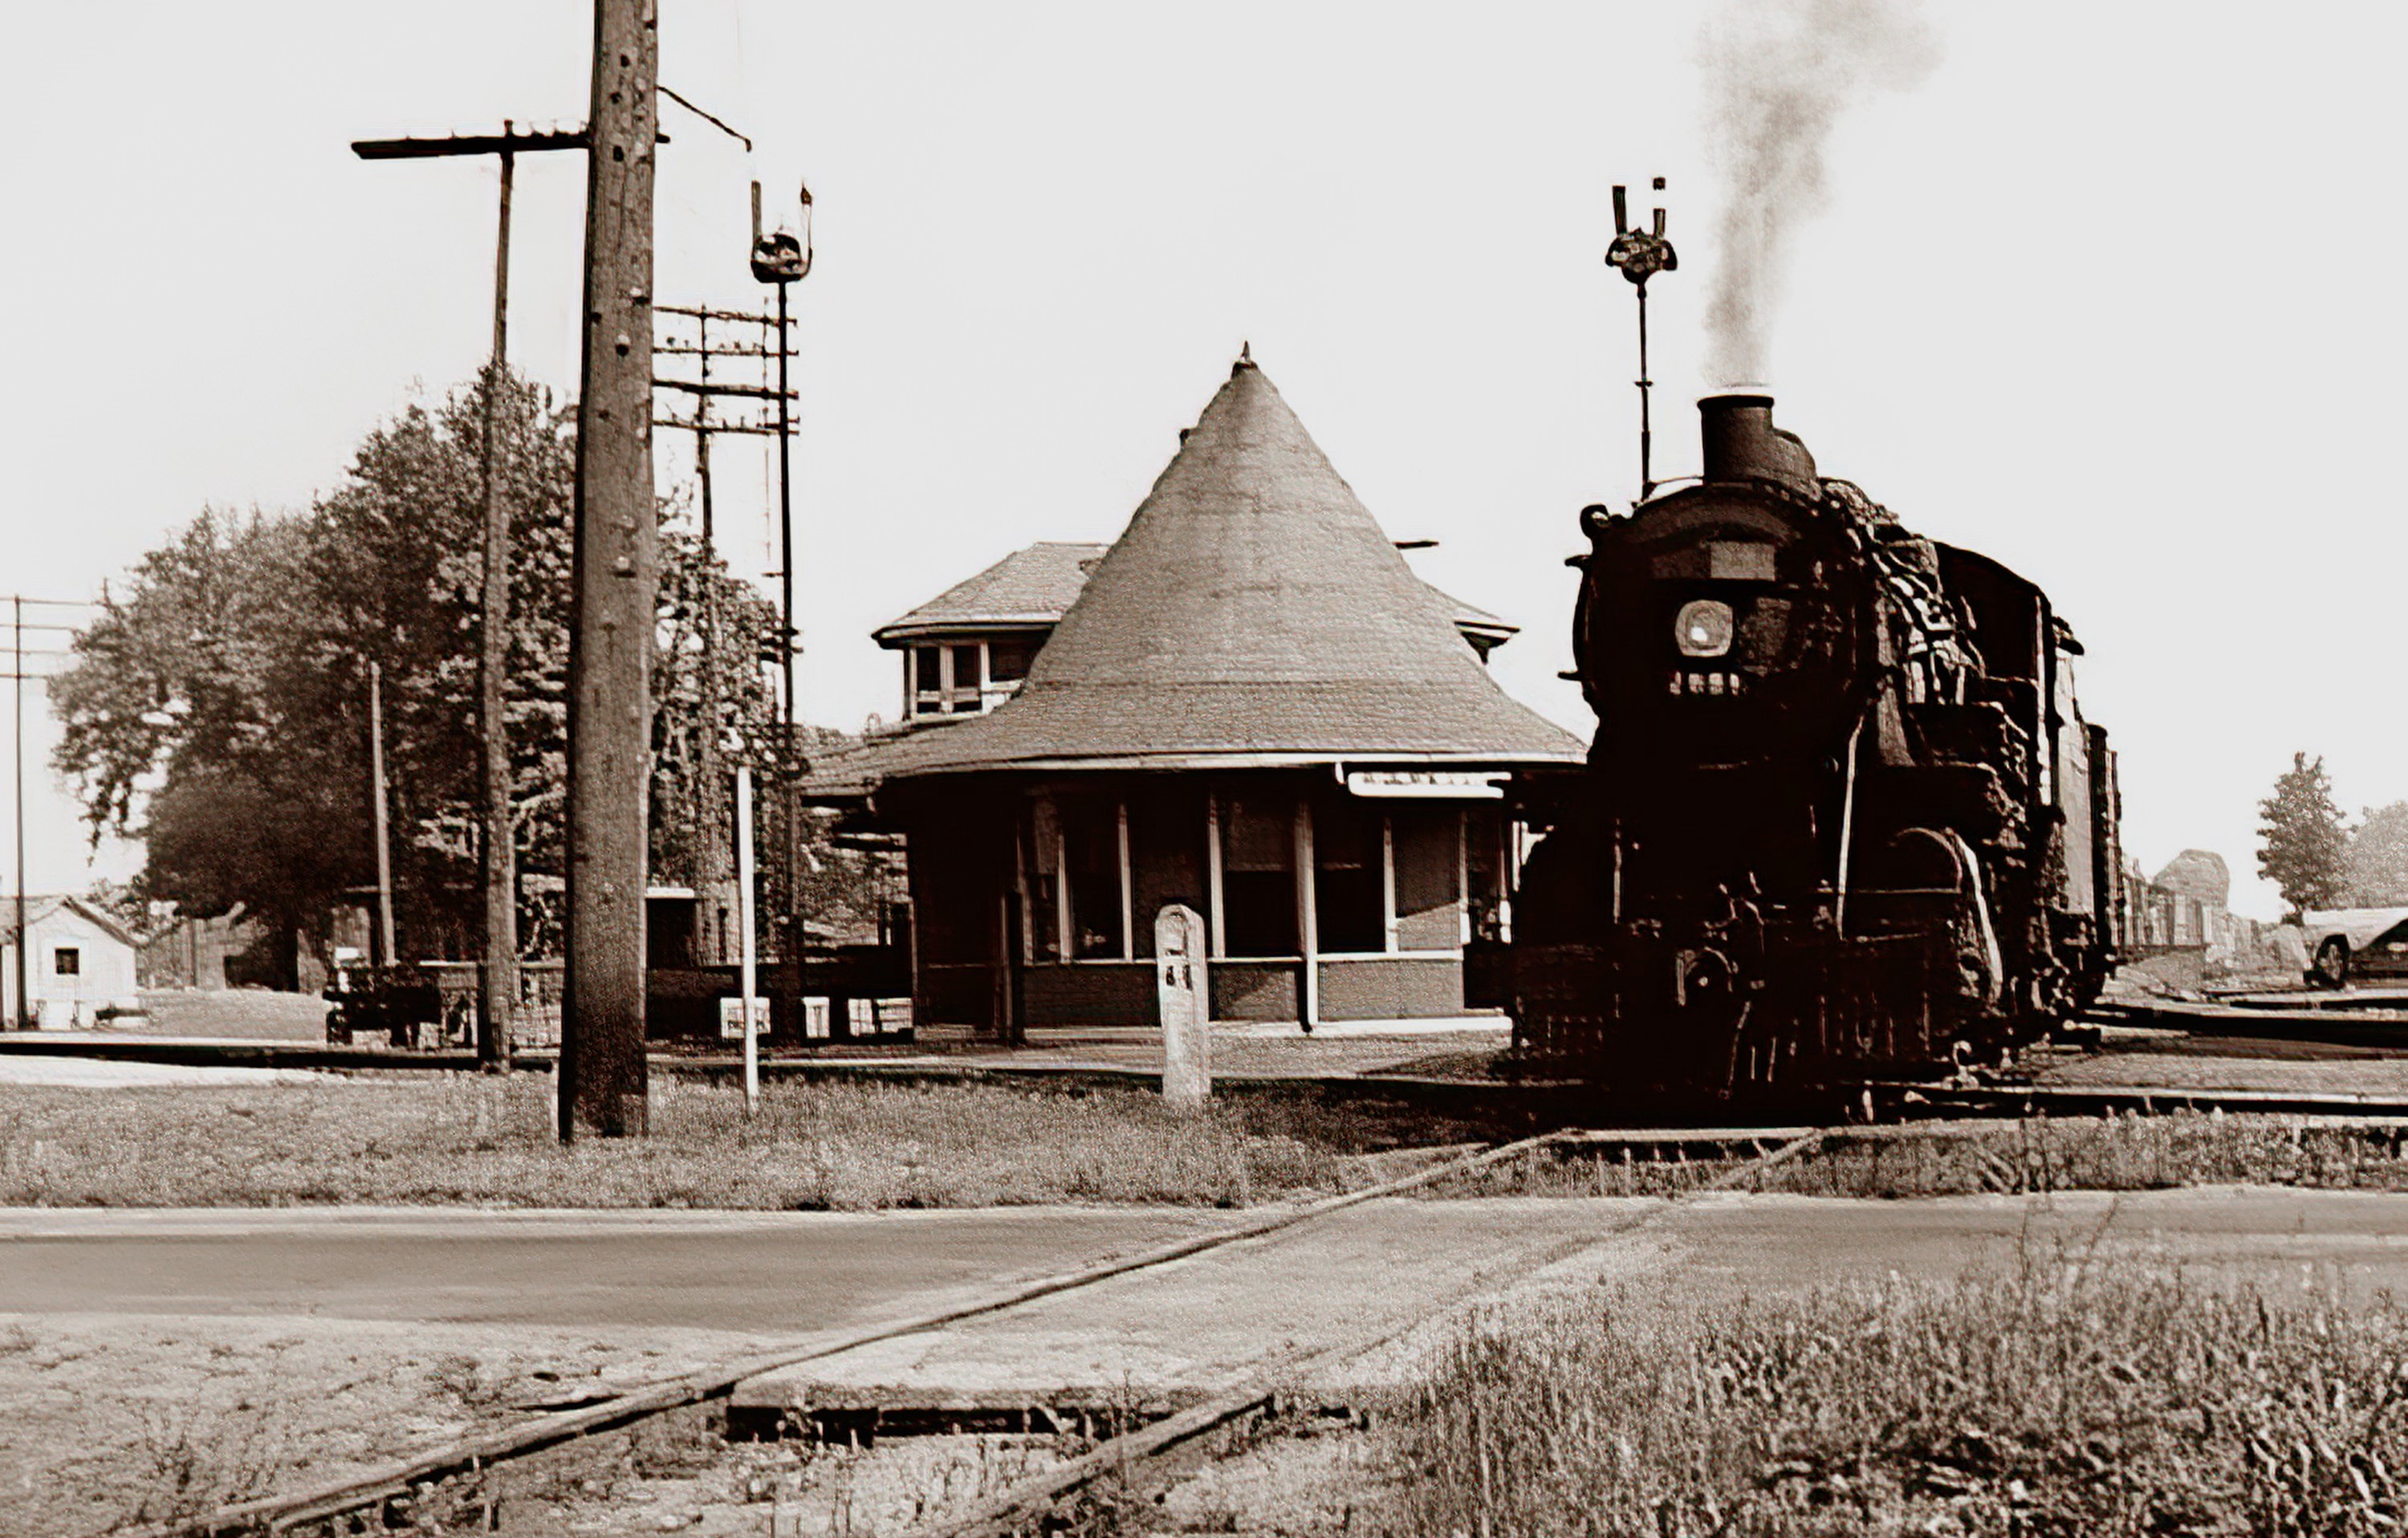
x=2111, y=299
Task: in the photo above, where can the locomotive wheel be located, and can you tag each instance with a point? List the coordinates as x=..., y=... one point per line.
x=2332, y=962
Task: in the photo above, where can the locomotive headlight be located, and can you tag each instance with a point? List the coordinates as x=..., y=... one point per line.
x=1703, y=629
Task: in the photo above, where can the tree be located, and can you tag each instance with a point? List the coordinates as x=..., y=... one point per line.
x=217, y=709
x=2378, y=857
x=2301, y=840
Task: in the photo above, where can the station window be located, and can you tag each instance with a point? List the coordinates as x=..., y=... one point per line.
x=1076, y=902
x=927, y=664
x=68, y=961
x=963, y=691
x=948, y=679
x=1042, y=890
x=1258, y=876
x=1350, y=895
x=1008, y=660
x=1091, y=863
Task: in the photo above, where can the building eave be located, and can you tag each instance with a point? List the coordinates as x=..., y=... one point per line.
x=897, y=635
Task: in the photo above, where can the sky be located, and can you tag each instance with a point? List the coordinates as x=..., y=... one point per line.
x=2113, y=301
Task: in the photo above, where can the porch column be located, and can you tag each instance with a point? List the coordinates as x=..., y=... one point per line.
x=1308, y=937
x=1213, y=870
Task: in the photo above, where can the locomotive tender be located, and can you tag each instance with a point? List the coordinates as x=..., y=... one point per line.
x=1842, y=817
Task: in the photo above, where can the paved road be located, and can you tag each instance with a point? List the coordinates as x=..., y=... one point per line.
x=750, y=1273
x=768, y=1273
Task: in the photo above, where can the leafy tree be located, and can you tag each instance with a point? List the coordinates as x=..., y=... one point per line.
x=218, y=708
x=2301, y=840
x=2378, y=857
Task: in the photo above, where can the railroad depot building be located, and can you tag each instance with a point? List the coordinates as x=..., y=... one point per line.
x=1248, y=704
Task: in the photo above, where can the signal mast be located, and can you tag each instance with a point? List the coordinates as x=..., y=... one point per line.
x=1642, y=254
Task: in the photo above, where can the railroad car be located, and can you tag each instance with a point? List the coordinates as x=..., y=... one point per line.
x=1842, y=818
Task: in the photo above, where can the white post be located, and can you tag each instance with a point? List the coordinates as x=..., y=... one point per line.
x=1182, y=993
x=744, y=930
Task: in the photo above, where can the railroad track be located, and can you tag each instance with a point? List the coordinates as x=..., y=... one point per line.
x=1758, y=1149
x=388, y=1489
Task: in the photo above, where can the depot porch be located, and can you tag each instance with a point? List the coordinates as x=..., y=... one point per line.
x=1328, y=894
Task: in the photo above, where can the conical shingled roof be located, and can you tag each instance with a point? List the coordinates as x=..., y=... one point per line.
x=1252, y=607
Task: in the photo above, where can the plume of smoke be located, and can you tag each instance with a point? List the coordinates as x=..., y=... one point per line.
x=1779, y=75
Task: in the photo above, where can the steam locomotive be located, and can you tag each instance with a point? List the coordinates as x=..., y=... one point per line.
x=1842, y=817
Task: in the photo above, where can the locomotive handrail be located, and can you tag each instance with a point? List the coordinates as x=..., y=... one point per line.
x=1848, y=822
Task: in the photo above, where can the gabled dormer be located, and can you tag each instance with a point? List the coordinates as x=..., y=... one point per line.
x=966, y=650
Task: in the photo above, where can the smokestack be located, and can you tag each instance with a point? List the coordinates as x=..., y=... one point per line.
x=1742, y=444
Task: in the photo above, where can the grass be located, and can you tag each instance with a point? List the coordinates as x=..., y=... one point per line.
x=464, y=1140
x=2061, y=1397
x=2124, y=1152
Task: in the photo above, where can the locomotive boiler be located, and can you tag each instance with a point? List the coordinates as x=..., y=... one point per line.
x=1842, y=817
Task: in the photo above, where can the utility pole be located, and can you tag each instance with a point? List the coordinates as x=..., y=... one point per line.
x=707, y=826
x=23, y=1019
x=17, y=737
x=498, y=976
x=602, y=1081
x=783, y=259
x=383, y=833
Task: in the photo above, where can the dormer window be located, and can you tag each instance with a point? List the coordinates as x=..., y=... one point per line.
x=948, y=678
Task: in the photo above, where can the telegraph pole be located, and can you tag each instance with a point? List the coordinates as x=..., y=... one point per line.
x=709, y=831
x=17, y=737
x=383, y=832
x=18, y=678
x=497, y=852
x=602, y=1082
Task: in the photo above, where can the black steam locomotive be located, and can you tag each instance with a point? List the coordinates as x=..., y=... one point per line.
x=1842, y=817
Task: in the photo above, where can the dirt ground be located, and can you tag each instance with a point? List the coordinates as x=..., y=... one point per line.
x=233, y=1013
x=115, y=1419
x=2156, y=1059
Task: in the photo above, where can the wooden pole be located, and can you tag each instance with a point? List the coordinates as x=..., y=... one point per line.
x=497, y=852
x=744, y=931
x=499, y=978
x=383, y=836
x=602, y=1083
x=16, y=684
x=709, y=835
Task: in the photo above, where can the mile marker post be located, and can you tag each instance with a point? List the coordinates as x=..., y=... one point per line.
x=1183, y=994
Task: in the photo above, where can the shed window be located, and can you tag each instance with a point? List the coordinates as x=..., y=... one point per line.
x=68, y=961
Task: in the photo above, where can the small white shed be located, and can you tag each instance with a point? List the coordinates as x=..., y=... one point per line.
x=81, y=961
